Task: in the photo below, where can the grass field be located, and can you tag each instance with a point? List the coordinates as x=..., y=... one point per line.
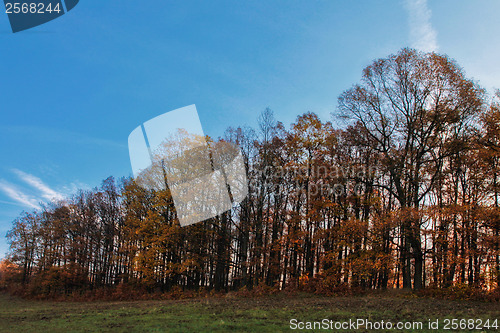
x=230, y=314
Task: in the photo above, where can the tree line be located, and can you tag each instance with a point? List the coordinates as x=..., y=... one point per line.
x=405, y=195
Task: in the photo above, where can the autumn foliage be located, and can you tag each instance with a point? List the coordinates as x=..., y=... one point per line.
x=405, y=196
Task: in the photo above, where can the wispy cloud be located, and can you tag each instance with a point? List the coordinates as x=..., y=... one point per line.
x=62, y=135
x=30, y=197
x=422, y=35
x=15, y=194
x=37, y=183
x=73, y=187
x=12, y=203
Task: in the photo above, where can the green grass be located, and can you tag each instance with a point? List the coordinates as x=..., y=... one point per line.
x=227, y=314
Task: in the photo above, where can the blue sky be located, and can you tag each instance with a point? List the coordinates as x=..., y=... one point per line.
x=73, y=89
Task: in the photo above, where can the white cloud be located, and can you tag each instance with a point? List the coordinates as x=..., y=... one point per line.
x=12, y=203
x=37, y=183
x=61, y=135
x=422, y=35
x=73, y=187
x=15, y=194
x=36, y=193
